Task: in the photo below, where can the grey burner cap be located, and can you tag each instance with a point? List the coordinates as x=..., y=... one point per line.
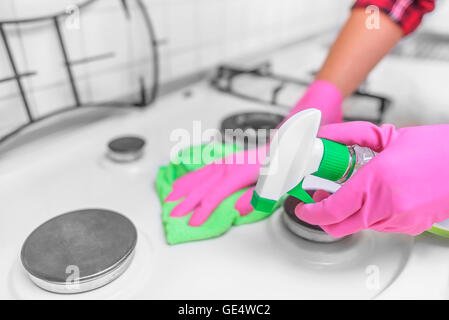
x=242, y=127
x=302, y=228
x=79, y=251
x=126, y=149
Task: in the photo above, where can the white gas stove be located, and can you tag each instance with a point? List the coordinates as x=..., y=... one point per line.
x=62, y=165
x=68, y=170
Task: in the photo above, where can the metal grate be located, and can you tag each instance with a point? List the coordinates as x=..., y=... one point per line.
x=131, y=9
x=424, y=45
x=226, y=76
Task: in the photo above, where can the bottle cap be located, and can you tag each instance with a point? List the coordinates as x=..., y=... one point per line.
x=335, y=161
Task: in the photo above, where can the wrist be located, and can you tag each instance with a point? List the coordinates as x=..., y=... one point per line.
x=326, y=97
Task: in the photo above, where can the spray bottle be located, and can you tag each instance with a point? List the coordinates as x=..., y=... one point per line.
x=296, y=152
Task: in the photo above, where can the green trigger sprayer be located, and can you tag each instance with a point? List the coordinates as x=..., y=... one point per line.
x=296, y=152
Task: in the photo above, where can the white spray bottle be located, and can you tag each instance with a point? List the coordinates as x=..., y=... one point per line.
x=296, y=152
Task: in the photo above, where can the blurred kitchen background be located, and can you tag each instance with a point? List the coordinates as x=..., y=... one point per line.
x=103, y=52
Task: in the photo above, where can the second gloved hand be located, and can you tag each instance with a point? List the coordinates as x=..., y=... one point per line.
x=204, y=189
x=403, y=189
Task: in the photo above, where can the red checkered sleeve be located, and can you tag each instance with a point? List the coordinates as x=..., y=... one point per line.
x=407, y=14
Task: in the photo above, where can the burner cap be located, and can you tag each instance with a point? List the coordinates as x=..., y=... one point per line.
x=79, y=251
x=126, y=149
x=302, y=228
x=249, y=123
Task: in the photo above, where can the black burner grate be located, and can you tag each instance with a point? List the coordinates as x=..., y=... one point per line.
x=424, y=46
x=131, y=9
x=227, y=74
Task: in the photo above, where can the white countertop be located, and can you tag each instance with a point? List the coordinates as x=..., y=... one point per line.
x=67, y=170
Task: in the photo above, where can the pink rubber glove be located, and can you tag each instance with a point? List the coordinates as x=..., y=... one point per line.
x=404, y=189
x=324, y=96
x=206, y=188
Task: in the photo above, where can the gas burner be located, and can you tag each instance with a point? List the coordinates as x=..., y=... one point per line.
x=79, y=251
x=302, y=228
x=242, y=128
x=126, y=149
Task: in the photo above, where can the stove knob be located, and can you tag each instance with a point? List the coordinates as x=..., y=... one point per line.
x=126, y=149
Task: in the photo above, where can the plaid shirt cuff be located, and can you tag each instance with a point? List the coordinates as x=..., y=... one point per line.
x=407, y=14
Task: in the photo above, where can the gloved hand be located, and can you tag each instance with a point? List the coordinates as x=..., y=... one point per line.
x=324, y=96
x=403, y=189
x=206, y=188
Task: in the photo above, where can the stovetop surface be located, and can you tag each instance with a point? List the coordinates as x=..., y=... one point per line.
x=66, y=169
x=69, y=171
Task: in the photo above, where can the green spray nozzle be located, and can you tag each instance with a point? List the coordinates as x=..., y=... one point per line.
x=295, y=154
x=301, y=194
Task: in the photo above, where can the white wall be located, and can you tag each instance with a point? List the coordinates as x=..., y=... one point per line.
x=201, y=33
x=196, y=35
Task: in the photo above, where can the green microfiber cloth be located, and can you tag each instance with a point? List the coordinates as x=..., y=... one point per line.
x=177, y=230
